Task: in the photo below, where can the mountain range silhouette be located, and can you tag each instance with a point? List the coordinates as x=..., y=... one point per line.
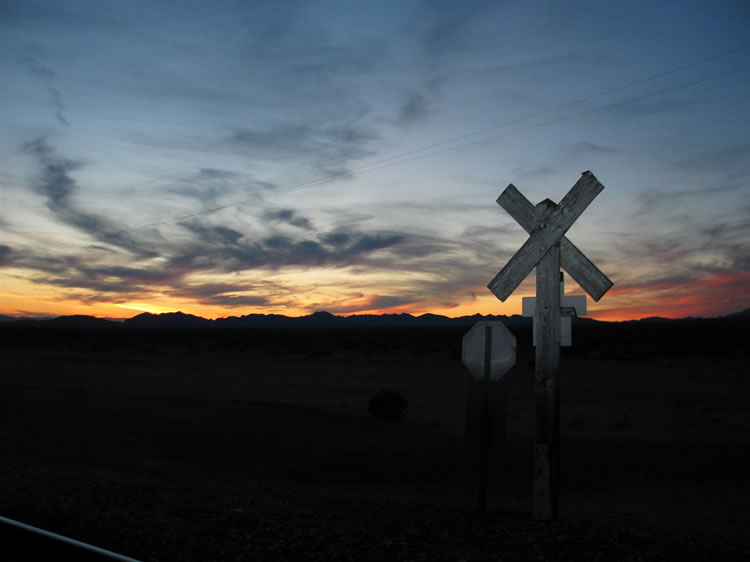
x=316, y=319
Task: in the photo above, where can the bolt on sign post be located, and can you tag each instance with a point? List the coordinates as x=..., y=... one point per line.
x=488, y=352
x=547, y=249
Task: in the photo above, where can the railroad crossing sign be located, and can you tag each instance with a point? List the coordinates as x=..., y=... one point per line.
x=547, y=249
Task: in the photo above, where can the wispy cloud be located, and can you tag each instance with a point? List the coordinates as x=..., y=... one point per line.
x=210, y=249
x=31, y=60
x=59, y=106
x=228, y=295
x=328, y=148
x=56, y=183
x=224, y=249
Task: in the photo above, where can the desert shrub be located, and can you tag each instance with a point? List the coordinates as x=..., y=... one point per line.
x=388, y=405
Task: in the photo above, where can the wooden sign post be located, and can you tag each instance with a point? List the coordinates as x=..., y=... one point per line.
x=547, y=249
x=570, y=306
x=488, y=352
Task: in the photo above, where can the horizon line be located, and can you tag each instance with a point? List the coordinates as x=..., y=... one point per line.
x=342, y=316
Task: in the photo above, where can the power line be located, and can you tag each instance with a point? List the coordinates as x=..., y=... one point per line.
x=399, y=158
x=544, y=123
x=388, y=164
x=562, y=106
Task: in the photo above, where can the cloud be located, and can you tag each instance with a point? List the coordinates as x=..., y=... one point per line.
x=701, y=295
x=674, y=261
x=369, y=242
x=586, y=147
x=286, y=137
x=30, y=59
x=59, y=106
x=83, y=272
x=221, y=248
x=216, y=188
x=415, y=108
x=656, y=200
x=213, y=235
x=211, y=249
x=57, y=185
x=380, y=302
x=94, y=275
x=104, y=289
x=288, y=216
x=5, y=255
x=219, y=294
x=231, y=301
x=358, y=303
x=442, y=33
x=132, y=274
x=444, y=269
x=447, y=27
x=335, y=238
x=327, y=147
x=283, y=251
x=216, y=174
x=734, y=157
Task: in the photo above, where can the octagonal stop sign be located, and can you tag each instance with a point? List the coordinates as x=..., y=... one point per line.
x=492, y=344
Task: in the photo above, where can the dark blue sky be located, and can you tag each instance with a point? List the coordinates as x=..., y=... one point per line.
x=233, y=157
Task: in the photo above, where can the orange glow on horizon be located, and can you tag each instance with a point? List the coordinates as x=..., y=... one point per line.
x=714, y=295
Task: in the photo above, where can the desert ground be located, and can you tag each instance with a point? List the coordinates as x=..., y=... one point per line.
x=257, y=445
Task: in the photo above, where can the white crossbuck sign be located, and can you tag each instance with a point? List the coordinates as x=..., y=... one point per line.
x=547, y=250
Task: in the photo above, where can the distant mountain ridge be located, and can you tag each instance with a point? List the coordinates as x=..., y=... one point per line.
x=168, y=320
x=316, y=319
x=742, y=314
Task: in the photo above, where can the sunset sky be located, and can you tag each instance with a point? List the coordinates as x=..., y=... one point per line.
x=224, y=158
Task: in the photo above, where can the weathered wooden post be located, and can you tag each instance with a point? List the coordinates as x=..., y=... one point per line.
x=547, y=250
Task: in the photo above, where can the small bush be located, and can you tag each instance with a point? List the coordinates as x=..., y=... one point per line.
x=388, y=405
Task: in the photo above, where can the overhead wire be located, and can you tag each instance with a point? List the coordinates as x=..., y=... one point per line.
x=562, y=105
x=427, y=151
x=388, y=162
x=549, y=122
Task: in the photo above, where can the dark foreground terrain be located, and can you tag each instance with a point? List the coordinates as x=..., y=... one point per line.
x=257, y=445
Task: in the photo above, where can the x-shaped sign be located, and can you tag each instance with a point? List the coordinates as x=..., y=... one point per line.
x=547, y=224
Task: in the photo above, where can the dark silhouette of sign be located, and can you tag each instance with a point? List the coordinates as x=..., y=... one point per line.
x=488, y=352
x=547, y=250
